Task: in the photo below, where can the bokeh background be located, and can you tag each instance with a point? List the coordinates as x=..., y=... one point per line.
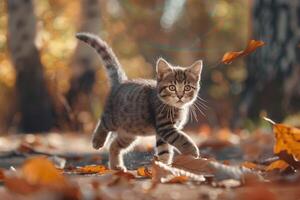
x=50, y=81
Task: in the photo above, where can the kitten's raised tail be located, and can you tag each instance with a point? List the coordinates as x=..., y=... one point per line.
x=112, y=65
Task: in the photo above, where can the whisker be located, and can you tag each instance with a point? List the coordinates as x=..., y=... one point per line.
x=163, y=106
x=202, y=102
x=205, y=107
x=190, y=115
x=195, y=114
x=200, y=110
x=198, y=97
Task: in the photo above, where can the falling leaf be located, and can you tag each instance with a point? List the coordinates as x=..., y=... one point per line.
x=92, y=169
x=278, y=164
x=144, y=172
x=252, y=46
x=40, y=170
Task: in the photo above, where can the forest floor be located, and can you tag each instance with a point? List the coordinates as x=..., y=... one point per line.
x=64, y=166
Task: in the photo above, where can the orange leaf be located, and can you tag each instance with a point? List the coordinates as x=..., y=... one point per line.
x=125, y=175
x=249, y=165
x=287, y=139
x=144, y=172
x=40, y=170
x=20, y=186
x=178, y=179
x=278, y=164
x=231, y=56
x=2, y=175
x=92, y=169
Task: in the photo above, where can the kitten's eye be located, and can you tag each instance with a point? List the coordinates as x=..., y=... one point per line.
x=187, y=88
x=172, y=87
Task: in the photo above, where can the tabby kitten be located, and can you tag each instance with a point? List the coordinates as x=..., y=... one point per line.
x=145, y=107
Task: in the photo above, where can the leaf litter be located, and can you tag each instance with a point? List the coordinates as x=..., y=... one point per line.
x=51, y=174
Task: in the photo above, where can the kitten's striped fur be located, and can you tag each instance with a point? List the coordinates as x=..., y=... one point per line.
x=145, y=107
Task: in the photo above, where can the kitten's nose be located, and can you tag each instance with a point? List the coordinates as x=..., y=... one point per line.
x=179, y=96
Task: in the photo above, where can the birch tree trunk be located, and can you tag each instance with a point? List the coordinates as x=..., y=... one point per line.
x=34, y=103
x=274, y=70
x=84, y=62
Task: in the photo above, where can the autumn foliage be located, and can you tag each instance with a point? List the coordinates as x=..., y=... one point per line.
x=251, y=47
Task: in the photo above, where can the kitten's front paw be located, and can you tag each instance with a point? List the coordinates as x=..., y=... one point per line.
x=193, y=151
x=97, y=141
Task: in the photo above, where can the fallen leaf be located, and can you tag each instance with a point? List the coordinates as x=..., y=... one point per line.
x=20, y=185
x=2, y=175
x=223, y=172
x=175, y=179
x=40, y=170
x=144, y=172
x=179, y=172
x=249, y=165
x=157, y=173
x=125, y=175
x=92, y=169
x=278, y=164
x=287, y=139
x=290, y=159
x=252, y=46
x=189, y=163
x=210, y=168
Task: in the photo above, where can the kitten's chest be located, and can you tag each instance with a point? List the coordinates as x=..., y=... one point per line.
x=181, y=117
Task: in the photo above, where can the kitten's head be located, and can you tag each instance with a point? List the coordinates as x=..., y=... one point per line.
x=178, y=86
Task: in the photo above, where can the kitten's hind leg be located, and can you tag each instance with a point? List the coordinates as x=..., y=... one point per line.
x=164, y=152
x=100, y=134
x=118, y=147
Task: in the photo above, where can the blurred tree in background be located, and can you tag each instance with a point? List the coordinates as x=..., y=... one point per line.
x=139, y=32
x=273, y=82
x=84, y=63
x=32, y=96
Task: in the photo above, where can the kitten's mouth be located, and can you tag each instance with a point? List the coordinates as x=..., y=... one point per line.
x=179, y=101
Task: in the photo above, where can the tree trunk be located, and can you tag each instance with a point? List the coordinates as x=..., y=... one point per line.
x=84, y=62
x=273, y=71
x=34, y=103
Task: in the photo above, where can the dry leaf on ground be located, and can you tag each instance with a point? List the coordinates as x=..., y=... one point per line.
x=39, y=170
x=287, y=139
x=92, y=169
x=231, y=56
x=125, y=175
x=20, y=186
x=144, y=172
x=189, y=163
x=175, y=179
x=249, y=165
x=2, y=175
x=278, y=164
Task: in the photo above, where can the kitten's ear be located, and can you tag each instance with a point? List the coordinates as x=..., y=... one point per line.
x=162, y=67
x=196, y=68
